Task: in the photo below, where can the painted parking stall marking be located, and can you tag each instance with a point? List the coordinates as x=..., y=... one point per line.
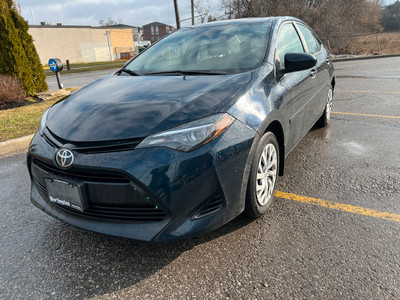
x=362, y=92
x=364, y=115
x=340, y=206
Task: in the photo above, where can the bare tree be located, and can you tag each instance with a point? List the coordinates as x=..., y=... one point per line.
x=333, y=20
x=110, y=22
x=203, y=8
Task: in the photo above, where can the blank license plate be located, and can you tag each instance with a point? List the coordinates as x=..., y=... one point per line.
x=65, y=193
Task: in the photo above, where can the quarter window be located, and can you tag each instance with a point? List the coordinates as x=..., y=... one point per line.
x=288, y=41
x=309, y=39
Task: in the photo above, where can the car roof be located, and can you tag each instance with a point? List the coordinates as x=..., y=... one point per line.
x=275, y=20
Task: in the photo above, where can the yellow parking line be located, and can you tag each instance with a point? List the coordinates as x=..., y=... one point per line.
x=360, y=91
x=365, y=115
x=340, y=206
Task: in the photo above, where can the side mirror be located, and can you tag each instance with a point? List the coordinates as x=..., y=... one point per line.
x=295, y=62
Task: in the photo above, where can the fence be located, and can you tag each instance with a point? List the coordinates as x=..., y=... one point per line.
x=364, y=44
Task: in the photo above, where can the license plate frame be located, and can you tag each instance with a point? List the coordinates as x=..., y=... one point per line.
x=66, y=192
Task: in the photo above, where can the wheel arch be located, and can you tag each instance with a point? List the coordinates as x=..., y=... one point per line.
x=276, y=128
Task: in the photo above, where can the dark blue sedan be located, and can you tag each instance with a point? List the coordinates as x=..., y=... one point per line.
x=188, y=135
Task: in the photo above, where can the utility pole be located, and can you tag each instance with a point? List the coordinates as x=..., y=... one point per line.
x=192, y=12
x=178, y=23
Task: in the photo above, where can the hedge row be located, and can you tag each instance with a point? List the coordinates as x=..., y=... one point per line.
x=18, y=56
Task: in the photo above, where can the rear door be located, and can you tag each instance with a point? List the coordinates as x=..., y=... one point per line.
x=315, y=48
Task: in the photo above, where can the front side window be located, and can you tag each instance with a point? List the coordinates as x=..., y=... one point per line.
x=288, y=41
x=309, y=39
x=227, y=48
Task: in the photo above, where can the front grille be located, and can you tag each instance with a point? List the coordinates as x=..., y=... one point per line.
x=139, y=213
x=84, y=174
x=214, y=204
x=111, y=196
x=92, y=147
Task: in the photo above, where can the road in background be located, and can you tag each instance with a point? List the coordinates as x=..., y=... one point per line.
x=296, y=250
x=77, y=79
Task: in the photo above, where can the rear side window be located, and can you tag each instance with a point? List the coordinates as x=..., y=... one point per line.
x=288, y=41
x=309, y=38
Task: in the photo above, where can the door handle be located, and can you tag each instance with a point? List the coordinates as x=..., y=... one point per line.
x=313, y=73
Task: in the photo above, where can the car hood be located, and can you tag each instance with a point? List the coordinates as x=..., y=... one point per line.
x=126, y=107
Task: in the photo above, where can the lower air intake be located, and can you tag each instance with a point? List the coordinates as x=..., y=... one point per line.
x=214, y=204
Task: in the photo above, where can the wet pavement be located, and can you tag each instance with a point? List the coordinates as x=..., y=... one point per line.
x=296, y=251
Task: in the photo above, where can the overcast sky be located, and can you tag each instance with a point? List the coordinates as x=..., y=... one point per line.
x=89, y=12
x=131, y=12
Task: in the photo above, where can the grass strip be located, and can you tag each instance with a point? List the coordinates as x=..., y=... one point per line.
x=79, y=68
x=22, y=121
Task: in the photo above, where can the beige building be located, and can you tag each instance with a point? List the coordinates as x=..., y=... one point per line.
x=81, y=43
x=121, y=41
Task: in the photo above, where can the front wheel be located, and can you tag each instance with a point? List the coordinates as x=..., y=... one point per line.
x=326, y=116
x=263, y=176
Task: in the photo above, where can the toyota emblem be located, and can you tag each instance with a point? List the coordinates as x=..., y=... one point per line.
x=64, y=158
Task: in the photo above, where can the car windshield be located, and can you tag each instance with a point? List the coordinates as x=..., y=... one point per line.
x=220, y=49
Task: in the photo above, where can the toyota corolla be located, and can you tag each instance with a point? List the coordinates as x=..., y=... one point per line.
x=187, y=135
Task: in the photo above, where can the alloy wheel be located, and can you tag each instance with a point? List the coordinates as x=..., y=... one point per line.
x=266, y=174
x=328, y=109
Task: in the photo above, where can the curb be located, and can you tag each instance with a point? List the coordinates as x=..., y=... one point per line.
x=15, y=145
x=364, y=57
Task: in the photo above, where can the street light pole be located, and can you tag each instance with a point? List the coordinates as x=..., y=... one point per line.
x=109, y=44
x=178, y=23
x=33, y=17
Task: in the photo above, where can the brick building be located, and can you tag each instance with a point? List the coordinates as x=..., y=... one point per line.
x=154, y=31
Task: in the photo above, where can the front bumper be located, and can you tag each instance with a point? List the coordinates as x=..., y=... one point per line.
x=154, y=194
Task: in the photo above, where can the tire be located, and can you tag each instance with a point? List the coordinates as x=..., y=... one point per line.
x=323, y=121
x=260, y=192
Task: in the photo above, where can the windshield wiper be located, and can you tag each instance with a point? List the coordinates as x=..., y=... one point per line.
x=130, y=72
x=205, y=72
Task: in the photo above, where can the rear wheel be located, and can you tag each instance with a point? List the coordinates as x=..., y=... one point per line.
x=326, y=116
x=263, y=176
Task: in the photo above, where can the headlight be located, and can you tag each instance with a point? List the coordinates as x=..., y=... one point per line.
x=191, y=135
x=42, y=123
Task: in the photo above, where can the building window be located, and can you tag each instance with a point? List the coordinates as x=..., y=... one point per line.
x=152, y=30
x=156, y=29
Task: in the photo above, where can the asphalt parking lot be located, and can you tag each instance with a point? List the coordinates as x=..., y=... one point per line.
x=333, y=232
x=77, y=79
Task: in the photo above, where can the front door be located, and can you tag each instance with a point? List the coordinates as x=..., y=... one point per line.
x=299, y=87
